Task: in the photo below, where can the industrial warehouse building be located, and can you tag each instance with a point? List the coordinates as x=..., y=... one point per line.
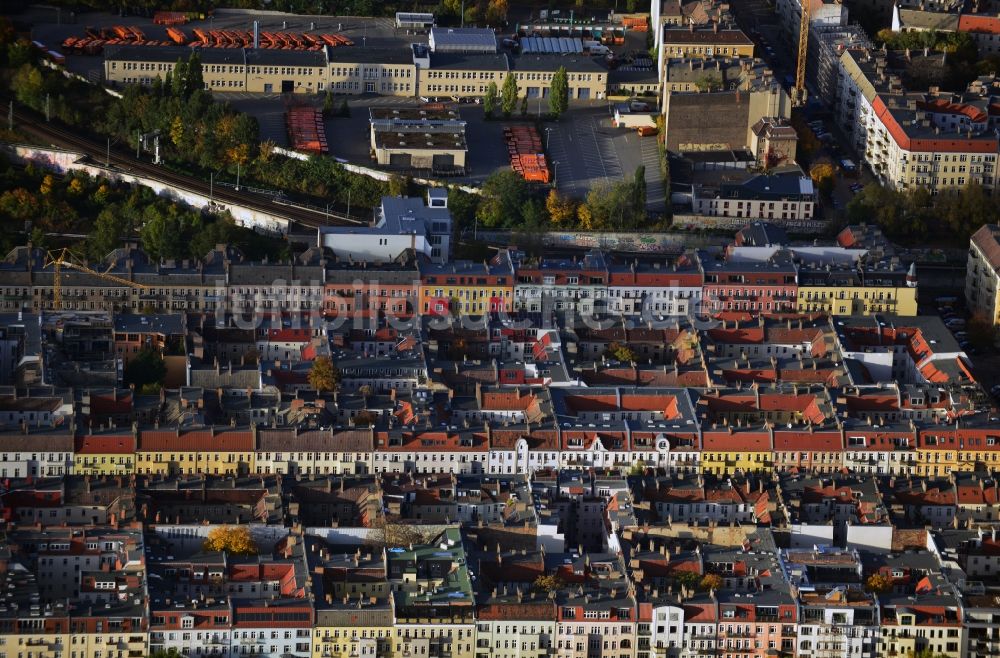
x=419, y=139
x=410, y=71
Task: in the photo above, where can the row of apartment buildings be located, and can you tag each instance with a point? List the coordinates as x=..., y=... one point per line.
x=920, y=431
x=910, y=138
x=364, y=275
x=307, y=595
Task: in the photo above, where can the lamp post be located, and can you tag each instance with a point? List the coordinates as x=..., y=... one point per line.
x=237, y=176
x=548, y=133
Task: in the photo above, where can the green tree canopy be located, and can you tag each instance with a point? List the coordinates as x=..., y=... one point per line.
x=491, y=99
x=504, y=195
x=508, y=95
x=144, y=368
x=559, y=93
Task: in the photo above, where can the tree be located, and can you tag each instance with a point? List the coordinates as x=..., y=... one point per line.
x=177, y=131
x=328, y=103
x=496, y=12
x=688, y=579
x=710, y=581
x=503, y=196
x=28, y=85
x=490, y=100
x=559, y=93
x=234, y=540
x=109, y=228
x=639, y=190
x=561, y=209
x=323, y=376
x=508, y=95
x=620, y=352
x=392, y=534
x=822, y=174
x=178, y=80
x=162, y=233
x=345, y=109
x=146, y=367
x=548, y=583
x=195, y=80
x=709, y=82
x=399, y=185
x=364, y=418
x=524, y=105
x=878, y=583
x=611, y=207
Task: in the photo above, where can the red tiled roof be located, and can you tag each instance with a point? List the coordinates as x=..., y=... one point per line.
x=979, y=23
x=736, y=441
x=788, y=440
x=937, y=143
x=104, y=444
x=197, y=440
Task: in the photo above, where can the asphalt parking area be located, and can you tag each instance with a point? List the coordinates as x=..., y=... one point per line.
x=583, y=153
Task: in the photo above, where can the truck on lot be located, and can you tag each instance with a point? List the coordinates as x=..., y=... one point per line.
x=635, y=115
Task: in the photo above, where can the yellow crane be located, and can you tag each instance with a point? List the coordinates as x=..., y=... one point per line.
x=799, y=93
x=66, y=258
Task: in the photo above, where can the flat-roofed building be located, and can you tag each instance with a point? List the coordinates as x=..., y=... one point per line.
x=462, y=40
x=932, y=140
x=713, y=105
x=787, y=196
x=460, y=75
x=418, y=139
x=708, y=42
x=587, y=76
x=383, y=71
x=402, y=223
x=344, y=70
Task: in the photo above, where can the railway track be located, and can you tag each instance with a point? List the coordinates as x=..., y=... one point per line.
x=63, y=138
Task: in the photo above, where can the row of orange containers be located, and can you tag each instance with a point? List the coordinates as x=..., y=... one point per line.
x=305, y=129
x=97, y=38
x=638, y=23
x=170, y=18
x=271, y=40
x=524, y=146
x=91, y=46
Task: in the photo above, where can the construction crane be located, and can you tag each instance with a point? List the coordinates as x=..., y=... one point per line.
x=799, y=92
x=63, y=259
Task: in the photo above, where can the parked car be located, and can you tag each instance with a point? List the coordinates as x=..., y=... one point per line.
x=995, y=390
x=962, y=335
x=955, y=323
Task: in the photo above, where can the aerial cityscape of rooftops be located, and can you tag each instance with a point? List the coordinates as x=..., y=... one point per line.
x=487, y=329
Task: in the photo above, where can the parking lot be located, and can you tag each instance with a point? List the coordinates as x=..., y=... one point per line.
x=586, y=152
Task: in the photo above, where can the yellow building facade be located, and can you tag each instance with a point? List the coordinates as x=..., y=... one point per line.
x=857, y=300
x=104, y=454
x=353, y=630
x=212, y=452
x=467, y=288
